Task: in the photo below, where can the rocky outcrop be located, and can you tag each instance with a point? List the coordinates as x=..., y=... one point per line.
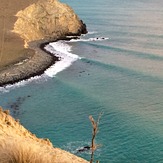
x=17, y=144
x=48, y=20
x=43, y=21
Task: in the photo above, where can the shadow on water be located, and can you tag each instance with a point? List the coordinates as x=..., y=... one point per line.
x=15, y=106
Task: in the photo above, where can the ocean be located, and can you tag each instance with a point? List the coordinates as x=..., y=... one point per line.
x=116, y=69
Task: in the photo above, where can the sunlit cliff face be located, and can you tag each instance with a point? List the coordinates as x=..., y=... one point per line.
x=46, y=20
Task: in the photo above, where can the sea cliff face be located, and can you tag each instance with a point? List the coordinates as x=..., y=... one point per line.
x=19, y=145
x=48, y=20
x=43, y=21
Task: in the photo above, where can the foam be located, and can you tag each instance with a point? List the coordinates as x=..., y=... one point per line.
x=89, y=39
x=60, y=49
x=63, y=51
x=36, y=79
x=74, y=146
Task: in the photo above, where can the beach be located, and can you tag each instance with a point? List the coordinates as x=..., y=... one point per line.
x=17, y=62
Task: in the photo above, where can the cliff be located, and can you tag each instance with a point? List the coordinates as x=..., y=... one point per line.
x=18, y=145
x=43, y=21
x=48, y=20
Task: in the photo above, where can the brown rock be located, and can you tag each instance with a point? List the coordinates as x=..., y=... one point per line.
x=47, y=20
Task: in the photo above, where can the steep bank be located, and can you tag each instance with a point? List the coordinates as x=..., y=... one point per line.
x=29, y=67
x=42, y=20
x=19, y=145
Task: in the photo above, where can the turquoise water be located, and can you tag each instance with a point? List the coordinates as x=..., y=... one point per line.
x=121, y=77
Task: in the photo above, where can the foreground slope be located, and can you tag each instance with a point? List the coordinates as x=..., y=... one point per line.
x=19, y=145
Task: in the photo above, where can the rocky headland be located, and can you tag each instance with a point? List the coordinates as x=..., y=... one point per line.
x=38, y=23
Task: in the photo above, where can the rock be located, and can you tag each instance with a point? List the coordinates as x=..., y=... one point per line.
x=47, y=20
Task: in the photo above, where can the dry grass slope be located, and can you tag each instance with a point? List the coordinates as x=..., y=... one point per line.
x=18, y=145
x=14, y=151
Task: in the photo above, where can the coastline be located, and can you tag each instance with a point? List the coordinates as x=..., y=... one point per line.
x=12, y=51
x=18, y=63
x=33, y=66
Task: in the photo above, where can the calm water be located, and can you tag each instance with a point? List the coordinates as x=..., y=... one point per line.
x=121, y=76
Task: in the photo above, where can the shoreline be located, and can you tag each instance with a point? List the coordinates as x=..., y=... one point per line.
x=31, y=67
x=18, y=63
x=35, y=65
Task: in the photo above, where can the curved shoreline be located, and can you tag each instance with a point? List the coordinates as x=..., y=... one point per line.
x=34, y=66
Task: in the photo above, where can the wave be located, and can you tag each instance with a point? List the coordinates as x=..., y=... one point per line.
x=63, y=51
x=91, y=32
x=36, y=79
x=89, y=39
x=60, y=49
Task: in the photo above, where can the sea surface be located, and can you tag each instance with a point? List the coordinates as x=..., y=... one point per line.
x=116, y=69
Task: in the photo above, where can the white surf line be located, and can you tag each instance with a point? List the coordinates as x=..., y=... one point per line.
x=35, y=79
x=89, y=39
x=59, y=49
x=63, y=51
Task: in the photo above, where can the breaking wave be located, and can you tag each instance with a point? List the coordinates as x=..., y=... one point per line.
x=60, y=49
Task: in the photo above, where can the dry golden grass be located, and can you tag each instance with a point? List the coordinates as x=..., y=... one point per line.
x=18, y=151
x=18, y=145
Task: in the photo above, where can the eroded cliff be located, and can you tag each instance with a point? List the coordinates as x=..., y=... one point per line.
x=48, y=20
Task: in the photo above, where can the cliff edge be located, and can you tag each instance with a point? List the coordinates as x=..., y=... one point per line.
x=18, y=145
